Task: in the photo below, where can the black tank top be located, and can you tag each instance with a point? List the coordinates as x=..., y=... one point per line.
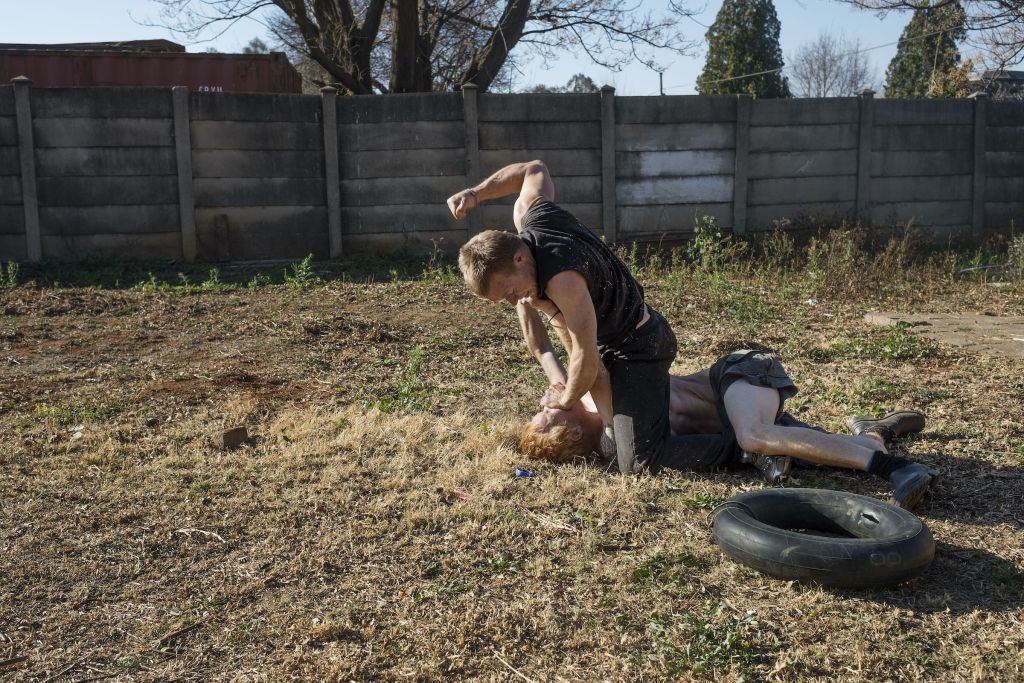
x=560, y=242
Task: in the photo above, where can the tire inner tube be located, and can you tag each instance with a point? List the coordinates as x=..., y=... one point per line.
x=833, y=538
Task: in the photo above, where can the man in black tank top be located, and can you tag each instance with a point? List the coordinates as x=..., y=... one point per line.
x=619, y=348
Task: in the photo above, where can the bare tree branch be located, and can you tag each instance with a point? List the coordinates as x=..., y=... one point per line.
x=353, y=42
x=830, y=67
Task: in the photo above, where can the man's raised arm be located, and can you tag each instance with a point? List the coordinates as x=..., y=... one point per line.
x=530, y=180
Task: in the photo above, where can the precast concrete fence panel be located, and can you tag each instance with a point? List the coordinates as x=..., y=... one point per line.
x=157, y=173
x=258, y=165
x=401, y=157
x=922, y=165
x=105, y=172
x=802, y=160
x=1004, y=164
x=12, y=213
x=563, y=131
x=674, y=162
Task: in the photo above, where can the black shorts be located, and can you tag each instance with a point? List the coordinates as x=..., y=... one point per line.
x=760, y=368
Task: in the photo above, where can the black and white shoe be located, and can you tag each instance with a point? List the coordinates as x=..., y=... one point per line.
x=890, y=426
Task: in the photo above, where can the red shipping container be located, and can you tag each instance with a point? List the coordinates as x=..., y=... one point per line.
x=147, y=63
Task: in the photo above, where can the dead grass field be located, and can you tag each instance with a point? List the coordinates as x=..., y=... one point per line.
x=372, y=528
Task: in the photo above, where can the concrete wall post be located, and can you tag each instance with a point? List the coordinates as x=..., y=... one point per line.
x=978, y=188
x=608, y=202
x=186, y=189
x=741, y=171
x=332, y=175
x=471, y=116
x=27, y=156
x=866, y=119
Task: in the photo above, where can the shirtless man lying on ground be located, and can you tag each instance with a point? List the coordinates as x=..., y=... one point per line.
x=741, y=397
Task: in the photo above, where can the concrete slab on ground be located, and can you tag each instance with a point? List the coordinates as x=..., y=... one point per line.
x=993, y=335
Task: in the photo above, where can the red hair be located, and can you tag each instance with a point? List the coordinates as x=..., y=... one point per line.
x=555, y=445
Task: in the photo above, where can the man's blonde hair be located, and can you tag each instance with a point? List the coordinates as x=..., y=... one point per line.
x=555, y=445
x=487, y=253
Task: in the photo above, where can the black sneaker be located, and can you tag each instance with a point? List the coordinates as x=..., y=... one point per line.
x=774, y=468
x=890, y=426
x=910, y=483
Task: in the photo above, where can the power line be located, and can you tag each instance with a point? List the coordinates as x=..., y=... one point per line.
x=848, y=54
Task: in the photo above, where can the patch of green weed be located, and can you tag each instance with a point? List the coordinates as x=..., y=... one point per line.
x=437, y=270
x=702, y=502
x=666, y=569
x=259, y=280
x=77, y=411
x=9, y=273
x=301, y=276
x=213, y=283
x=495, y=564
x=412, y=394
x=706, y=641
x=874, y=393
x=895, y=343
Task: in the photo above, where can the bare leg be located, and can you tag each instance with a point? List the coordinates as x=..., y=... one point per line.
x=752, y=410
x=870, y=440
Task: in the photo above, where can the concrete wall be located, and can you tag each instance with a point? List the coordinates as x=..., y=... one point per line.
x=922, y=164
x=105, y=172
x=803, y=159
x=1004, y=164
x=400, y=158
x=258, y=176
x=674, y=162
x=563, y=130
x=12, y=216
x=147, y=173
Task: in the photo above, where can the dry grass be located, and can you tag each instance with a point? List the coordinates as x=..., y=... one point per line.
x=372, y=527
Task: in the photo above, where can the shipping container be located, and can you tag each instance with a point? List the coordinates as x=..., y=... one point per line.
x=147, y=63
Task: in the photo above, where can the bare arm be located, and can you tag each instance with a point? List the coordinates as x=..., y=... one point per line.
x=530, y=179
x=539, y=343
x=569, y=291
x=600, y=397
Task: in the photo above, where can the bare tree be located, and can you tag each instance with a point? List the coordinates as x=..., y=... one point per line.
x=994, y=27
x=830, y=67
x=367, y=49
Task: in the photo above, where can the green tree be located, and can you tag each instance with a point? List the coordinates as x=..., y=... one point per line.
x=995, y=27
x=580, y=83
x=255, y=47
x=744, y=42
x=927, y=61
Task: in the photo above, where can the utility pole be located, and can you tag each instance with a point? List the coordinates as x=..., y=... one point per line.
x=661, y=82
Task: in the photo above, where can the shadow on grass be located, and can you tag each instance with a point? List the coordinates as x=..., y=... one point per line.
x=974, y=491
x=968, y=491
x=960, y=580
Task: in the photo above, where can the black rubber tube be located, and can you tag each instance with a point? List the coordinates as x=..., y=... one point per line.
x=881, y=544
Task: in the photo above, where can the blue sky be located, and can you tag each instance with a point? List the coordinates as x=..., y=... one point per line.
x=66, y=21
